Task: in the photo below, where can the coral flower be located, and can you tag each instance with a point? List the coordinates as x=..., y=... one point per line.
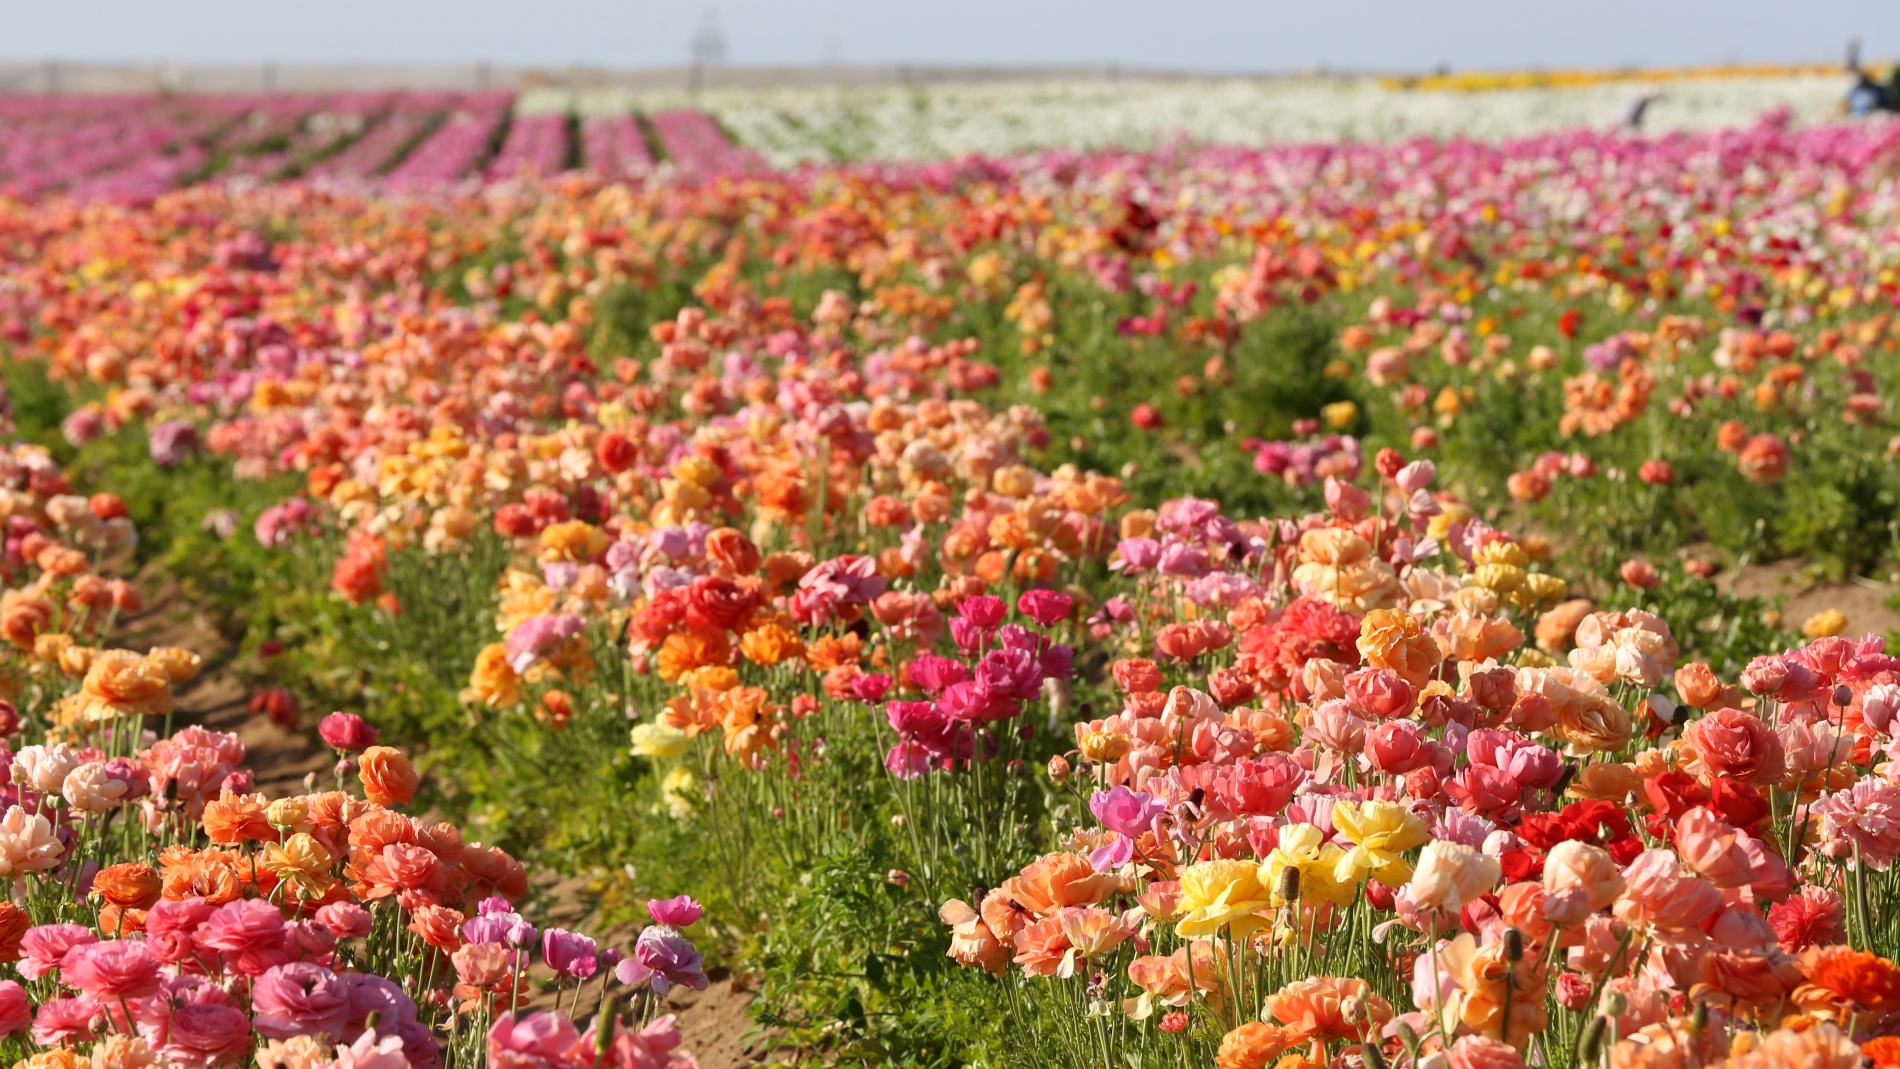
x=1318, y=1008
x=1843, y=982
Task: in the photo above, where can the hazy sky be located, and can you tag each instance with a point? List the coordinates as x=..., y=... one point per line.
x=1197, y=34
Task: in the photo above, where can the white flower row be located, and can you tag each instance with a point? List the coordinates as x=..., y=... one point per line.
x=795, y=125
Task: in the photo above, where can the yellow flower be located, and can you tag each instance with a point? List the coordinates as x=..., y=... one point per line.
x=301, y=860
x=679, y=790
x=658, y=741
x=1340, y=414
x=1381, y=832
x=575, y=540
x=1218, y=894
x=1303, y=848
x=1825, y=624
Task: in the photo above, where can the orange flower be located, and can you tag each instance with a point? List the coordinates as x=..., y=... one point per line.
x=771, y=644
x=1252, y=1046
x=193, y=876
x=831, y=651
x=388, y=777
x=684, y=651
x=1843, y=982
x=1392, y=638
x=132, y=883
x=23, y=617
x=733, y=552
x=1882, y=1051
x=14, y=922
x=488, y=870
x=122, y=683
x=233, y=818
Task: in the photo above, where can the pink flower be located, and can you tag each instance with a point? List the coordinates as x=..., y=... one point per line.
x=376, y=994
x=1380, y=693
x=16, y=1012
x=1046, y=607
x=537, y=1041
x=198, y=1035
x=1867, y=816
x=1398, y=746
x=675, y=913
x=1125, y=811
x=372, y=1051
x=347, y=732
x=68, y=1020
x=1483, y=1052
x=650, y=1048
x=170, y=924
x=1715, y=849
x=113, y=971
x=569, y=953
x=1730, y=742
x=1658, y=894
x=250, y=933
x=298, y=999
x=346, y=920
x=43, y=948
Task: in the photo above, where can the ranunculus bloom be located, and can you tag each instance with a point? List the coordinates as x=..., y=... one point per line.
x=114, y=970
x=1580, y=879
x=680, y=912
x=300, y=998
x=1483, y=1052
x=1729, y=742
x=1222, y=894
x=1449, y=875
x=387, y=776
x=1315, y=1008
x=347, y=732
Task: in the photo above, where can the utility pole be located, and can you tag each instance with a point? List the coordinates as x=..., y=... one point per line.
x=708, y=48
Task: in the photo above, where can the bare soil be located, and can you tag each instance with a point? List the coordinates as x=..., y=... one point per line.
x=1860, y=599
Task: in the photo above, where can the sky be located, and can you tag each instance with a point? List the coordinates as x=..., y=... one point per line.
x=1196, y=35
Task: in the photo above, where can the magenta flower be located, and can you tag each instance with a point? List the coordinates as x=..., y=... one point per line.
x=538, y=1041
x=347, y=732
x=1046, y=607
x=43, y=948
x=251, y=935
x=569, y=953
x=114, y=970
x=680, y=912
x=1125, y=811
x=16, y=1013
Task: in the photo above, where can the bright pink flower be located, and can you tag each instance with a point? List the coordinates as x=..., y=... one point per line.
x=251, y=935
x=113, y=971
x=1046, y=607
x=680, y=912
x=170, y=925
x=1815, y=917
x=1379, y=693
x=347, y=732
x=1399, y=746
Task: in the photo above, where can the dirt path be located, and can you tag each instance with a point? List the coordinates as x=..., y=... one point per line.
x=1863, y=601
x=217, y=698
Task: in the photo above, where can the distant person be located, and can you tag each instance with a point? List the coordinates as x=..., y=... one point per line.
x=1633, y=120
x=1867, y=95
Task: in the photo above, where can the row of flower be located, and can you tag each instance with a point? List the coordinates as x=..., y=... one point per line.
x=134, y=148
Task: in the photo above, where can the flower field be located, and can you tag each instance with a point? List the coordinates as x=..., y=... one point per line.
x=1213, y=606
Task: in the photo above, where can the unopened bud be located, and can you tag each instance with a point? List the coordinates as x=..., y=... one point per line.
x=1591, y=1043
x=1374, y=1059
x=1615, y=1004
x=1513, y=945
x=1289, y=885
x=1352, y=1009
x=899, y=820
x=1699, y=1017
x=1407, y=1035
x=1059, y=768
x=374, y=1020
x=1843, y=695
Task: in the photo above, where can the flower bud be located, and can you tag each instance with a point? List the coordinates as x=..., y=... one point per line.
x=1289, y=885
x=1513, y=945
x=1590, y=1045
x=1059, y=768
